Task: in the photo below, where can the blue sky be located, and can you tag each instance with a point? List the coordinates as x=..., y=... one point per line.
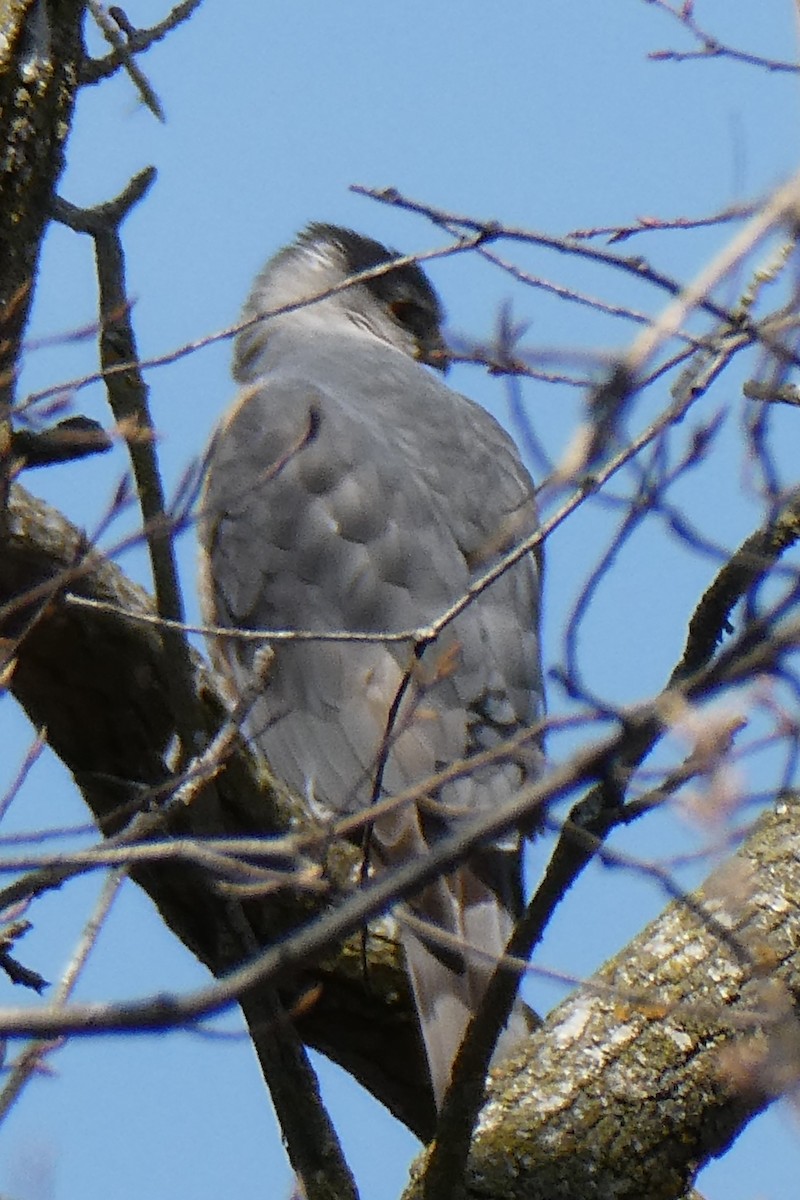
x=547, y=115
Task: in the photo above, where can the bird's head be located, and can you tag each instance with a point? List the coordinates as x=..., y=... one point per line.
x=399, y=306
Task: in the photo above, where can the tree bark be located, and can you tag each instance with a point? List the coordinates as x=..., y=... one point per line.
x=658, y=1062
x=41, y=51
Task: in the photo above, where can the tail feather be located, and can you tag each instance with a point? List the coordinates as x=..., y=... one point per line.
x=442, y=1007
x=449, y=986
x=475, y=906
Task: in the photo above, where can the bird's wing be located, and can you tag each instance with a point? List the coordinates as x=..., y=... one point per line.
x=378, y=522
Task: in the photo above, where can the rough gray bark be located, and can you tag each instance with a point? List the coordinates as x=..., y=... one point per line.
x=41, y=49
x=658, y=1062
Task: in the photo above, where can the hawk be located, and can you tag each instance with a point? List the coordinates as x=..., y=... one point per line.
x=349, y=489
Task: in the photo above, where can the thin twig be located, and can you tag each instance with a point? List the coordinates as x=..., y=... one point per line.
x=127, y=394
x=115, y=34
x=136, y=42
x=712, y=47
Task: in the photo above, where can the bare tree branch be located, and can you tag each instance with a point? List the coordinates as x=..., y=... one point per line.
x=626, y=1098
x=129, y=403
x=711, y=47
x=135, y=41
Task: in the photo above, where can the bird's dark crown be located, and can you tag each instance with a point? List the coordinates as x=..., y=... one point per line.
x=361, y=253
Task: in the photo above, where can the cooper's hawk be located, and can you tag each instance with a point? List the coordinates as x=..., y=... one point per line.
x=349, y=489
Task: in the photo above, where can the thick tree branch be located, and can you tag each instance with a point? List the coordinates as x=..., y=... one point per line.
x=655, y=1065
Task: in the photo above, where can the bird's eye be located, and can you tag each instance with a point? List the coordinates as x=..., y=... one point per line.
x=410, y=315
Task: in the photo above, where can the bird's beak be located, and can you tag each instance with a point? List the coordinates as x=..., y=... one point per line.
x=434, y=353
